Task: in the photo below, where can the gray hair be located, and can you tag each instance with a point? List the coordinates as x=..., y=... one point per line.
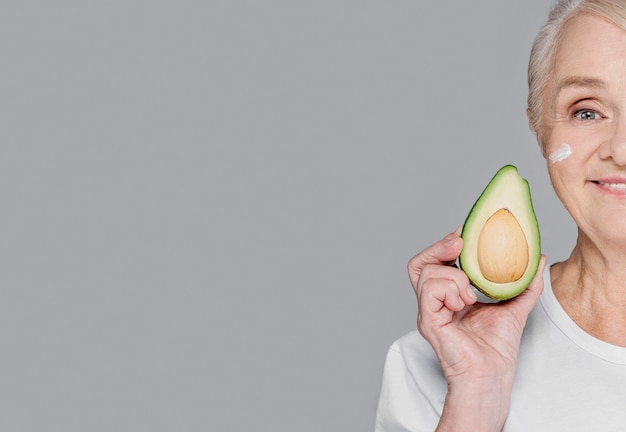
x=543, y=52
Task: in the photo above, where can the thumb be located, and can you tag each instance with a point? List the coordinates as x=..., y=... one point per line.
x=527, y=299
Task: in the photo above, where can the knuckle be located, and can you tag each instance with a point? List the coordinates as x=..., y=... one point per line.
x=427, y=285
x=414, y=263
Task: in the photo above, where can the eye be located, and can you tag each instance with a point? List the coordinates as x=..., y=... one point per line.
x=587, y=114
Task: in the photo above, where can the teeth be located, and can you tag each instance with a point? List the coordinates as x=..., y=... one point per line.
x=619, y=186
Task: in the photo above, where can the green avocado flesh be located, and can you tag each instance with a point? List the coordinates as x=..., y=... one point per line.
x=501, y=242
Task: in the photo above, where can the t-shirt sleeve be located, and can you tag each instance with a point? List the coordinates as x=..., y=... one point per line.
x=413, y=388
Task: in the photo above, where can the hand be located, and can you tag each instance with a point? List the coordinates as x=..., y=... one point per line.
x=477, y=344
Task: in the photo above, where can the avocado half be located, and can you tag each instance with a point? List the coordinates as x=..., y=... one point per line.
x=501, y=241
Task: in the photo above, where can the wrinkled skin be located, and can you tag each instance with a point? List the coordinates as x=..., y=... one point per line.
x=477, y=344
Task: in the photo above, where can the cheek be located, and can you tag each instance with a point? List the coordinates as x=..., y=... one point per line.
x=561, y=153
x=560, y=171
x=567, y=154
x=584, y=141
x=558, y=175
x=566, y=175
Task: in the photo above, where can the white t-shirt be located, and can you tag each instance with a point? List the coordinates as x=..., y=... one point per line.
x=566, y=380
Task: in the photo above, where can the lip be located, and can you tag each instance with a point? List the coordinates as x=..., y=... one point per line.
x=615, y=186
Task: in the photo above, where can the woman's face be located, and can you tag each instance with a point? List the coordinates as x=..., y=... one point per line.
x=588, y=95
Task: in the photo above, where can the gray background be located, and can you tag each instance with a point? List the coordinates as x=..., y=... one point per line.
x=207, y=207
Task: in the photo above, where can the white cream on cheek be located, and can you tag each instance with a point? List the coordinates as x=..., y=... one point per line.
x=563, y=152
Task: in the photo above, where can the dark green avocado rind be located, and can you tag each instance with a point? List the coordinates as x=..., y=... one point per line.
x=503, y=183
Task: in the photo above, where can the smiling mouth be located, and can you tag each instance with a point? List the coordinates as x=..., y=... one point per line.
x=615, y=186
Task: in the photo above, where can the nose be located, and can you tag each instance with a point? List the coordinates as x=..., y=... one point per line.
x=614, y=147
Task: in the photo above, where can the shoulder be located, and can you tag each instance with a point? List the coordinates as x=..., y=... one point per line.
x=414, y=387
x=412, y=359
x=414, y=350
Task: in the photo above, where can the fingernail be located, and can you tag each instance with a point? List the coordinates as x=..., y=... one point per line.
x=451, y=238
x=454, y=234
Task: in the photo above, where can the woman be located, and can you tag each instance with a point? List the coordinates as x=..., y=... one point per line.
x=553, y=358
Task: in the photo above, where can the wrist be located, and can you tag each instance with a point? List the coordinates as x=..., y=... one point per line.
x=476, y=406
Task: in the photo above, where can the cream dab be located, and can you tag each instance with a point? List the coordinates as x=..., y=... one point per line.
x=563, y=152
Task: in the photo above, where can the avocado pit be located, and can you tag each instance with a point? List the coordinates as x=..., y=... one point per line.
x=502, y=248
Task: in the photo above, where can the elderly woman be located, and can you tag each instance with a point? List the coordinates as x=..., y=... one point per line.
x=553, y=358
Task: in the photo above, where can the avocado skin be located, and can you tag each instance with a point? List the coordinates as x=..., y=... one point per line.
x=507, y=189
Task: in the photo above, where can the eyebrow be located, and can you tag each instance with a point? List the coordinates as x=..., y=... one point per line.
x=579, y=81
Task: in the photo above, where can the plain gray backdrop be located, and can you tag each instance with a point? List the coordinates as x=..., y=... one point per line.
x=208, y=206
